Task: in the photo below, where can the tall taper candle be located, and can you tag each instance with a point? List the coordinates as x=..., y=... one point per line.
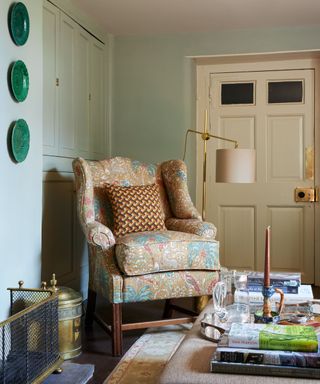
x=267, y=259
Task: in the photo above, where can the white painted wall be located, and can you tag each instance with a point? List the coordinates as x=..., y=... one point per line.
x=20, y=184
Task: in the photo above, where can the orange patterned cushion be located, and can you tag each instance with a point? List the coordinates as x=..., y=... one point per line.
x=136, y=208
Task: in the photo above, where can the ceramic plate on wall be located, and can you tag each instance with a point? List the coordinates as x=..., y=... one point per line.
x=20, y=140
x=19, y=23
x=19, y=80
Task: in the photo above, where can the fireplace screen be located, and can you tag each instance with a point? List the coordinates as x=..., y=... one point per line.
x=29, y=345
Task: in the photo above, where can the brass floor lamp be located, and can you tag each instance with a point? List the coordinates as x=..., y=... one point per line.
x=232, y=166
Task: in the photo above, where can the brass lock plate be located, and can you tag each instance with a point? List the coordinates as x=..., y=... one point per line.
x=305, y=194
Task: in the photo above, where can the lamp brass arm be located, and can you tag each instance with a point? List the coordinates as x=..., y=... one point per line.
x=205, y=136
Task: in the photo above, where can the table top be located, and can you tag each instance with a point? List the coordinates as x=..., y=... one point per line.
x=191, y=363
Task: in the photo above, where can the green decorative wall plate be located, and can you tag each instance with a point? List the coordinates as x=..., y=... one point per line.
x=20, y=140
x=19, y=23
x=19, y=80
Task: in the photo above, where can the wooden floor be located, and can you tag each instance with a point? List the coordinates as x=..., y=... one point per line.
x=96, y=344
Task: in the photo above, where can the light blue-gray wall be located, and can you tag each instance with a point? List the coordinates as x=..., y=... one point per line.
x=20, y=184
x=154, y=85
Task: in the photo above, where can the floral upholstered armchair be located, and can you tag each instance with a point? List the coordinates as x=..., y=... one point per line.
x=146, y=239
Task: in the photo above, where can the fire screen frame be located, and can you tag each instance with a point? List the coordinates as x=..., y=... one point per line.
x=29, y=338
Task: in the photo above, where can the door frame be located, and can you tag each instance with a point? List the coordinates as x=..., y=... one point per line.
x=272, y=61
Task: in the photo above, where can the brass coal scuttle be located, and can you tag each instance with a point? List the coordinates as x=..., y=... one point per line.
x=69, y=313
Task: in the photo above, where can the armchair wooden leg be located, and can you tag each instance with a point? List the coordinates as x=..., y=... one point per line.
x=167, y=312
x=91, y=306
x=117, y=329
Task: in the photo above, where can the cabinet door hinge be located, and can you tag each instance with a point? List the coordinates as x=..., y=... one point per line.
x=57, y=82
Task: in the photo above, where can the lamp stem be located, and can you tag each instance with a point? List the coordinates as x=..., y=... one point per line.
x=204, y=176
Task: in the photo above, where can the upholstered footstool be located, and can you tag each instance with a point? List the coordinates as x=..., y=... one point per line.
x=191, y=364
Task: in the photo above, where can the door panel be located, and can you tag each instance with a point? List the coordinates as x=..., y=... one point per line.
x=243, y=127
x=83, y=94
x=282, y=237
x=234, y=233
x=285, y=133
x=97, y=110
x=278, y=121
x=67, y=125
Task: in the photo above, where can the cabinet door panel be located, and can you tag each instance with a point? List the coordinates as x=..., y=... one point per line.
x=67, y=126
x=50, y=74
x=97, y=104
x=83, y=93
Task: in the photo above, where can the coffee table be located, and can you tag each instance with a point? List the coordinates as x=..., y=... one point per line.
x=191, y=364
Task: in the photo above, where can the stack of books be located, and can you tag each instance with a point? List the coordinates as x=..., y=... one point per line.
x=269, y=349
x=289, y=283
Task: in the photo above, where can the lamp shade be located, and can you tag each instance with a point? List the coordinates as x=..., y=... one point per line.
x=236, y=165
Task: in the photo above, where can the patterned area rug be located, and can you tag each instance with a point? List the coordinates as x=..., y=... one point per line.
x=147, y=357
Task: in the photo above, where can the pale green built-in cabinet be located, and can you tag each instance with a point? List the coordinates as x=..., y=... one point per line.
x=74, y=88
x=75, y=123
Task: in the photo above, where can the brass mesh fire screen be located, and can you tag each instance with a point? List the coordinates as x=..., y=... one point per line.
x=29, y=344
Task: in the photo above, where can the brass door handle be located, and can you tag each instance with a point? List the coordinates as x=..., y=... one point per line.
x=306, y=194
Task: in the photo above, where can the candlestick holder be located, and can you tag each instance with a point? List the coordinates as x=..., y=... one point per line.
x=266, y=315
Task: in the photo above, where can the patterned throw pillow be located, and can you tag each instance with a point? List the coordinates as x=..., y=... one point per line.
x=136, y=208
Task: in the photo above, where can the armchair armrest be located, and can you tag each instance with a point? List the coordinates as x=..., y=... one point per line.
x=195, y=226
x=99, y=235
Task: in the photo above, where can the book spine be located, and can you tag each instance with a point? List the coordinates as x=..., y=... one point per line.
x=261, y=369
x=276, y=276
x=258, y=288
x=275, y=282
x=283, y=358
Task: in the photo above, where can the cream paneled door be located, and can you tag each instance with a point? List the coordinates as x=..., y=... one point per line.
x=272, y=111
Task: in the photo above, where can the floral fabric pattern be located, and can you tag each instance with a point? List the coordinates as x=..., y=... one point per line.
x=150, y=252
x=104, y=275
x=174, y=173
x=100, y=235
x=195, y=226
x=106, y=279
x=193, y=260
x=163, y=285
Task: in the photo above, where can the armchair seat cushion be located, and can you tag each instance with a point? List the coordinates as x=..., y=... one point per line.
x=159, y=251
